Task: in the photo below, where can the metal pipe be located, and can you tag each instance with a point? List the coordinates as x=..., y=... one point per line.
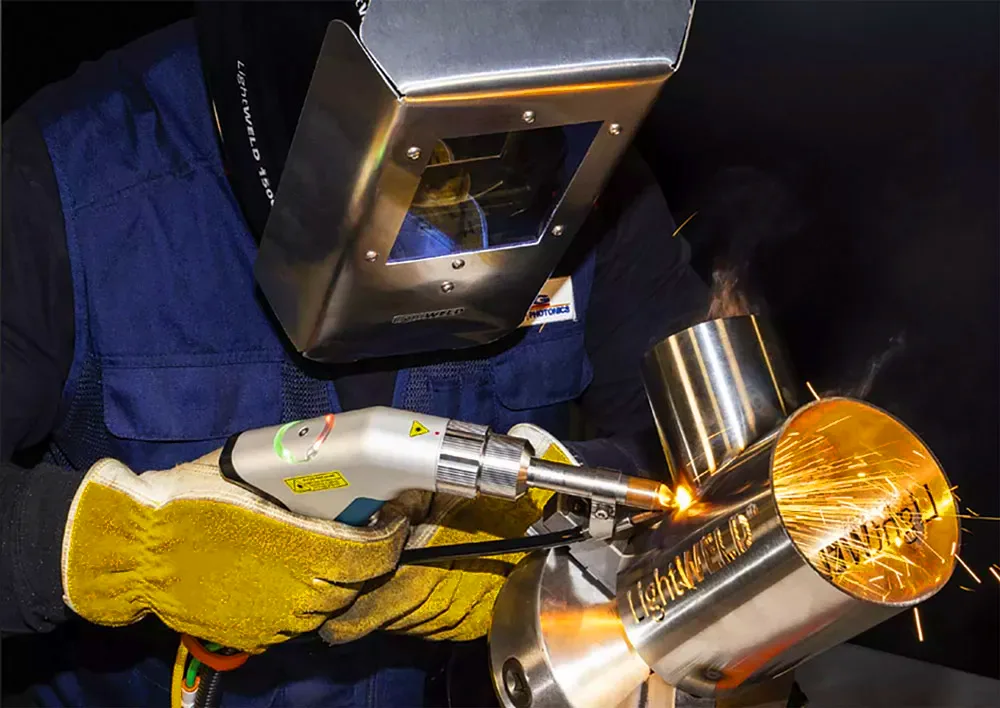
x=832, y=524
x=715, y=389
x=556, y=642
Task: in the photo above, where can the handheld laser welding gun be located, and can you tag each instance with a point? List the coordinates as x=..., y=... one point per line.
x=345, y=466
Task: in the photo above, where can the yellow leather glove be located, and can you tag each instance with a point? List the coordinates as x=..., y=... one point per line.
x=211, y=559
x=454, y=599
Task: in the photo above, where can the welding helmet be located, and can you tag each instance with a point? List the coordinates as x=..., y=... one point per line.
x=414, y=171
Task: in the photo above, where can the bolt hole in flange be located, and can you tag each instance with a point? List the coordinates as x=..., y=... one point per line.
x=515, y=684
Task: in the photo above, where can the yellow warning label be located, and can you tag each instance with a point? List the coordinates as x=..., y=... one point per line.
x=554, y=454
x=418, y=429
x=316, y=482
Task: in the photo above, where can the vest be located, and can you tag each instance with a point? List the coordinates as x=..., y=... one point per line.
x=174, y=352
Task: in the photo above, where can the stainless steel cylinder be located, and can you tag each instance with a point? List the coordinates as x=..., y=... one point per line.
x=715, y=389
x=556, y=642
x=835, y=522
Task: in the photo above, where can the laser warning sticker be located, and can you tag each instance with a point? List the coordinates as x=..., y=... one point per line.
x=316, y=482
x=418, y=428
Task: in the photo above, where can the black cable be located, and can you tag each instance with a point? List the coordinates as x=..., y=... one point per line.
x=415, y=556
x=210, y=689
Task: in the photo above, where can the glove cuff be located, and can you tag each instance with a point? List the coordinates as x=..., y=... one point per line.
x=106, y=531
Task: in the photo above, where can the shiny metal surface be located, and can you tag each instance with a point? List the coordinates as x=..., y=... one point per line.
x=459, y=461
x=367, y=131
x=556, y=642
x=448, y=45
x=505, y=467
x=599, y=484
x=735, y=590
x=601, y=559
x=714, y=389
x=318, y=467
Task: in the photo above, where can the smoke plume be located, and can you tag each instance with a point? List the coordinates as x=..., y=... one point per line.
x=728, y=299
x=875, y=365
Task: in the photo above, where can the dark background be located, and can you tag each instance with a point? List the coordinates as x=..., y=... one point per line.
x=848, y=154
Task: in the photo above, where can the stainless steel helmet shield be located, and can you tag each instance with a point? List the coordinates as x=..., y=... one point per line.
x=444, y=159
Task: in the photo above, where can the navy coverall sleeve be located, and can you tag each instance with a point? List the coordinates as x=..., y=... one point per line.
x=37, y=351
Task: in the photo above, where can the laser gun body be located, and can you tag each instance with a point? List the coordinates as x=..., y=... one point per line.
x=345, y=466
x=342, y=466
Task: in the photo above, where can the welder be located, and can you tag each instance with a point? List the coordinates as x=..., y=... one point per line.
x=141, y=209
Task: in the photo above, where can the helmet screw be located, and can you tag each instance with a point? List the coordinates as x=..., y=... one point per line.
x=558, y=230
x=371, y=256
x=528, y=116
x=458, y=263
x=447, y=286
x=413, y=152
x=615, y=129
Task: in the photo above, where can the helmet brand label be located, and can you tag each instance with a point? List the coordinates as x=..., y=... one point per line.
x=431, y=315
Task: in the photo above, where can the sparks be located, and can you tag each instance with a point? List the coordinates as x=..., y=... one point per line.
x=995, y=574
x=830, y=425
x=916, y=618
x=968, y=569
x=848, y=507
x=678, y=229
x=812, y=390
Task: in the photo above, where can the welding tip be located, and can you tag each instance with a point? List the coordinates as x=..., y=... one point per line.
x=600, y=483
x=648, y=494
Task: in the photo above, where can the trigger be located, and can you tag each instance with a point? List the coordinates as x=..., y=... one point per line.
x=359, y=511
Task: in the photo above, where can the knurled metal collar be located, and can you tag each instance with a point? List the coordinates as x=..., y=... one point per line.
x=461, y=455
x=504, y=467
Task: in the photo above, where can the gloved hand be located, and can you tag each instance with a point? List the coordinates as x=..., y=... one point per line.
x=454, y=599
x=211, y=559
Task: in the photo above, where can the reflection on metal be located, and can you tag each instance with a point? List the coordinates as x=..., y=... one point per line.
x=377, y=107
x=556, y=641
x=834, y=523
x=715, y=388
